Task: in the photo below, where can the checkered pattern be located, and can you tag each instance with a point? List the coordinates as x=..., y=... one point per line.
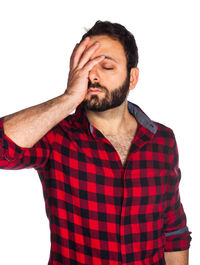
x=100, y=212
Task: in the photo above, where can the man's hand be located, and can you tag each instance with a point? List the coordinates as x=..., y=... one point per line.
x=80, y=66
x=21, y=126
x=177, y=257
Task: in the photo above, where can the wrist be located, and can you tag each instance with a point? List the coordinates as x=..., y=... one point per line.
x=69, y=101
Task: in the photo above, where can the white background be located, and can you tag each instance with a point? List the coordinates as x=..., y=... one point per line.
x=37, y=38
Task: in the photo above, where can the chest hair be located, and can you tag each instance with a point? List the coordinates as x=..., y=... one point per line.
x=122, y=144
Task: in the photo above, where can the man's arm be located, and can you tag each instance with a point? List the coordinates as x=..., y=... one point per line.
x=28, y=126
x=177, y=257
x=177, y=234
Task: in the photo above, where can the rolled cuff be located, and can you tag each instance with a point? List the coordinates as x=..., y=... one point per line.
x=177, y=240
x=13, y=156
x=8, y=149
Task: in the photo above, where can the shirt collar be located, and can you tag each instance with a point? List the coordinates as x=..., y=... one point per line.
x=82, y=120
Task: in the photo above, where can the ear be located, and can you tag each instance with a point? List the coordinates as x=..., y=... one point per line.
x=134, y=75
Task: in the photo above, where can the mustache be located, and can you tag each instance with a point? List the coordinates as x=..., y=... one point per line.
x=95, y=85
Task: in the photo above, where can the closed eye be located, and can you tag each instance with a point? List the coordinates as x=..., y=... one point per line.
x=108, y=68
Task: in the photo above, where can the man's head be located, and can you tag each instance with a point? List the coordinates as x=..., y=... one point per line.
x=118, y=72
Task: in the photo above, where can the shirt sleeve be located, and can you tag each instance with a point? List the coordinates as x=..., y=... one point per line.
x=177, y=235
x=15, y=157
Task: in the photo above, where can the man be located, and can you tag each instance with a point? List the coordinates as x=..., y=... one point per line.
x=110, y=174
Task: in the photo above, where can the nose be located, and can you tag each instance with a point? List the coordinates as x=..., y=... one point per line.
x=93, y=75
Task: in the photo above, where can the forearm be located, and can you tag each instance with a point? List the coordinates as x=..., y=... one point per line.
x=177, y=257
x=28, y=126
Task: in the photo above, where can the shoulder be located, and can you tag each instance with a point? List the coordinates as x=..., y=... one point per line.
x=165, y=133
x=67, y=126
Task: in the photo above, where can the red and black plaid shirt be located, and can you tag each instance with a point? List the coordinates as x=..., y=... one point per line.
x=100, y=212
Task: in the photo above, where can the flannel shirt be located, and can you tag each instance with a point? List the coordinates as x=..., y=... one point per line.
x=100, y=212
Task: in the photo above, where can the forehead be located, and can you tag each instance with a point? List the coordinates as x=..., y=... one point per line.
x=108, y=47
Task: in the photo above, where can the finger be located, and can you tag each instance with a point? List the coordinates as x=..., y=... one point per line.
x=89, y=65
x=87, y=55
x=78, y=52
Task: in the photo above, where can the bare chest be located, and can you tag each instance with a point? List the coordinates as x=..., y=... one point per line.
x=122, y=145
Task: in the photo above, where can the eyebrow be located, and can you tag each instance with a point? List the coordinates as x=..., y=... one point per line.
x=110, y=58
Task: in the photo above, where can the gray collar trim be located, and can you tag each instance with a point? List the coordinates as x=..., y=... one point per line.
x=91, y=128
x=141, y=117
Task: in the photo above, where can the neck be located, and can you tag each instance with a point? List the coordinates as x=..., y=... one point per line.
x=113, y=121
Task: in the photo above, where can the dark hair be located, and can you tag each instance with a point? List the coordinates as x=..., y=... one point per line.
x=117, y=32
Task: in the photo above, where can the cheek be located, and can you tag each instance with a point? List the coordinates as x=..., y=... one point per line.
x=115, y=78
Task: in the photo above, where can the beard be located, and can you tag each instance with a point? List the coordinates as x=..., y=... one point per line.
x=111, y=99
